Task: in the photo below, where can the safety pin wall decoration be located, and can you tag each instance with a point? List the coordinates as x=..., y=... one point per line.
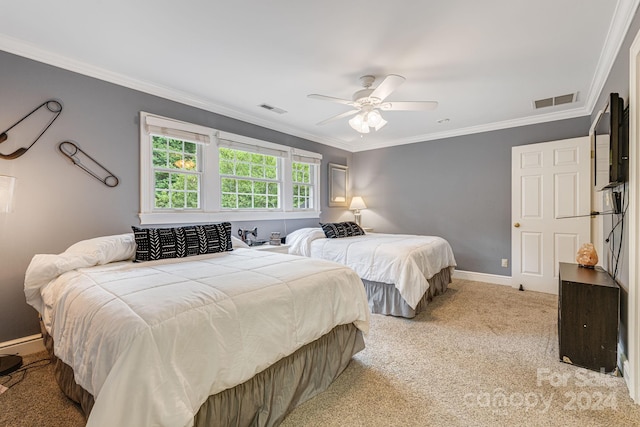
x=53, y=106
x=88, y=163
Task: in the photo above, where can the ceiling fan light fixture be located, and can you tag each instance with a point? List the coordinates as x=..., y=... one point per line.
x=373, y=118
x=365, y=120
x=356, y=121
x=369, y=102
x=359, y=124
x=381, y=124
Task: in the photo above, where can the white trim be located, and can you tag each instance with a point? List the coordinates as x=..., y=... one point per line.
x=164, y=126
x=482, y=277
x=632, y=374
x=506, y=124
x=252, y=145
x=27, y=50
x=287, y=185
x=623, y=362
x=304, y=156
x=23, y=346
x=620, y=22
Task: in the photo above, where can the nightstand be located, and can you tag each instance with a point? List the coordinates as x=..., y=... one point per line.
x=588, y=307
x=282, y=249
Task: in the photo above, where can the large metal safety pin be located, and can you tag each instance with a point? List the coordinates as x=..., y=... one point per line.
x=77, y=155
x=53, y=106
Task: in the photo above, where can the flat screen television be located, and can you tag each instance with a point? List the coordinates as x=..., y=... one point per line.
x=611, y=141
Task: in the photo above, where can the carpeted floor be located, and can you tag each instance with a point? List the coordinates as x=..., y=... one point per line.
x=480, y=355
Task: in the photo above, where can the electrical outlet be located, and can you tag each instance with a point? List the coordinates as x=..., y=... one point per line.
x=505, y=262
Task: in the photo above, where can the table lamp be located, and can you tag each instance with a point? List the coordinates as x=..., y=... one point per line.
x=356, y=204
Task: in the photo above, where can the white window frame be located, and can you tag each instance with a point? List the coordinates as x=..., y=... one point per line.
x=210, y=210
x=314, y=178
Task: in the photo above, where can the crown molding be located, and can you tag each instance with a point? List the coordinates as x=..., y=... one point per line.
x=622, y=18
x=27, y=50
x=620, y=23
x=489, y=127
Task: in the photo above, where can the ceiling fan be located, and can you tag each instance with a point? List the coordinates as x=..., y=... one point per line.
x=368, y=103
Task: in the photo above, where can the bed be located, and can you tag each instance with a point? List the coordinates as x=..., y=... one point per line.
x=237, y=337
x=401, y=273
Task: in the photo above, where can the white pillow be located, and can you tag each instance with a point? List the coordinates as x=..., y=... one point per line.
x=237, y=243
x=86, y=253
x=106, y=249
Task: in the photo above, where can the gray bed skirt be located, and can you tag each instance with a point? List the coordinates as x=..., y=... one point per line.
x=384, y=298
x=265, y=399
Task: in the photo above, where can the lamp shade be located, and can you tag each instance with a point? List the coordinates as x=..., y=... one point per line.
x=357, y=203
x=7, y=184
x=358, y=123
x=369, y=118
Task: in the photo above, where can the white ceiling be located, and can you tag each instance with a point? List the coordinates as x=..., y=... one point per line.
x=483, y=61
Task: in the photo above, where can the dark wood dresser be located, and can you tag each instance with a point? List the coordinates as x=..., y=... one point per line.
x=588, y=304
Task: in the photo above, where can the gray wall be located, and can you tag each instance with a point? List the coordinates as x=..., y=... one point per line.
x=56, y=204
x=457, y=188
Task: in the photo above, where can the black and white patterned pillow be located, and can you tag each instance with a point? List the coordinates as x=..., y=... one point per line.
x=179, y=242
x=334, y=230
x=354, y=229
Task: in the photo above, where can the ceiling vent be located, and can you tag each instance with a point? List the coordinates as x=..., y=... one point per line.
x=556, y=100
x=272, y=108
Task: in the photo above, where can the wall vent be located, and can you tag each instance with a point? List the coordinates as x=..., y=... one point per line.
x=556, y=100
x=272, y=108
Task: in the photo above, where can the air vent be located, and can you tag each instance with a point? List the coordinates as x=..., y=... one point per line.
x=556, y=100
x=272, y=108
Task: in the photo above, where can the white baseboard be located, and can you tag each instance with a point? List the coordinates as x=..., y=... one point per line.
x=623, y=365
x=482, y=277
x=23, y=346
x=622, y=361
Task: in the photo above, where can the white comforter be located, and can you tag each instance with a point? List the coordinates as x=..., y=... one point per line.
x=151, y=341
x=407, y=261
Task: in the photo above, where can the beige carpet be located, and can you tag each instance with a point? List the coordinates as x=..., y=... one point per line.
x=480, y=355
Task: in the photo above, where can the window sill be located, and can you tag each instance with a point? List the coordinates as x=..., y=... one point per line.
x=174, y=217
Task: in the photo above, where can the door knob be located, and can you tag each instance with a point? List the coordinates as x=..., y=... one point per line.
x=516, y=225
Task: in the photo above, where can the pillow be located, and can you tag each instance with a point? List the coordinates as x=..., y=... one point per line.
x=334, y=230
x=106, y=249
x=179, y=242
x=237, y=243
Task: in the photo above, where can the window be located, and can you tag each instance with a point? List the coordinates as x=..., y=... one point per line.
x=303, y=185
x=176, y=173
x=249, y=180
x=191, y=173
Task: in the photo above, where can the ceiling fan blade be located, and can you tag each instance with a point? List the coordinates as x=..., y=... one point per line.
x=388, y=85
x=338, y=117
x=330, y=99
x=409, y=106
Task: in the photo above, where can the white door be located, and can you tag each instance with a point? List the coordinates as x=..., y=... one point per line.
x=550, y=182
